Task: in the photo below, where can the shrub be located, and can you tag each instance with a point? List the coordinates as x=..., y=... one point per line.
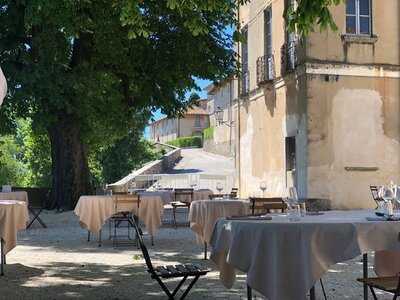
x=192, y=141
x=208, y=133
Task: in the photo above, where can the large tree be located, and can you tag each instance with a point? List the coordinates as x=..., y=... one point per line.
x=86, y=71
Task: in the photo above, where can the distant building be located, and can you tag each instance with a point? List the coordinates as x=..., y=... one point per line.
x=194, y=121
x=223, y=114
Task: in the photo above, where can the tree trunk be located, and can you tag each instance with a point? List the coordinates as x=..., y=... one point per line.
x=70, y=171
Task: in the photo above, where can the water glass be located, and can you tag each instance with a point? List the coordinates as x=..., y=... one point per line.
x=294, y=213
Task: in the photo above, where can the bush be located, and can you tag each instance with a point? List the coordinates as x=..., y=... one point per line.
x=192, y=141
x=208, y=133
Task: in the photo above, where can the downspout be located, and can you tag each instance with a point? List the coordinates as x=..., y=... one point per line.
x=237, y=159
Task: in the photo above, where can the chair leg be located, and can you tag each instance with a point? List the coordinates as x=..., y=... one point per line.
x=373, y=293
x=2, y=257
x=323, y=289
x=189, y=287
x=249, y=293
x=100, y=238
x=109, y=229
x=88, y=236
x=174, y=215
x=179, y=286
x=205, y=251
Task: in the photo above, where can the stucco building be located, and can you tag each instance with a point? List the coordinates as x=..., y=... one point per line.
x=193, y=122
x=321, y=112
x=221, y=109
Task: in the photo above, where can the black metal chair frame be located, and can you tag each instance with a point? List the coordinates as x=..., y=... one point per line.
x=177, y=203
x=372, y=286
x=2, y=257
x=168, y=272
x=123, y=216
x=35, y=212
x=375, y=194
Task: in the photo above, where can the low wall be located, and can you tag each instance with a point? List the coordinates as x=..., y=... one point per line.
x=162, y=165
x=225, y=149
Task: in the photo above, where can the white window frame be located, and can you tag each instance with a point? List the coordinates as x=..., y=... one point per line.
x=358, y=16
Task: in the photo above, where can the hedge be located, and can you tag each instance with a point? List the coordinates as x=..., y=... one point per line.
x=192, y=141
x=208, y=133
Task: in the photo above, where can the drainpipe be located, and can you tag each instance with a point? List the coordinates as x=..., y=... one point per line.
x=237, y=156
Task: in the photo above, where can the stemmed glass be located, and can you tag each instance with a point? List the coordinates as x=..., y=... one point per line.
x=387, y=194
x=219, y=187
x=263, y=187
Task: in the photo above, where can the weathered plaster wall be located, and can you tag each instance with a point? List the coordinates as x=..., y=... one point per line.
x=262, y=144
x=352, y=122
x=328, y=45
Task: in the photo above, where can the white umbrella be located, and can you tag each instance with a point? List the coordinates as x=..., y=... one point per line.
x=3, y=86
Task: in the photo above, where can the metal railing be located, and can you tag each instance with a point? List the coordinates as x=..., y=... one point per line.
x=189, y=180
x=245, y=83
x=265, y=69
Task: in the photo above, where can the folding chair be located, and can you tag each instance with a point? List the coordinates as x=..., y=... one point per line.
x=387, y=284
x=171, y=271
x=375, y=194
x=266, y=204
x=123, y=207
x=183, y=198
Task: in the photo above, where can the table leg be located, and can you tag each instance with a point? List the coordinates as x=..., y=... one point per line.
x=100, y=238
x=249, y=293
x=2, y=257
x=365, y=274
x=312, y=293
x=205, y=251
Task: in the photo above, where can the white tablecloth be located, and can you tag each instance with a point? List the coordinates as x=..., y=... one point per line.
x=284, y=259
x=94, y=211
x=13, y=217
x=204, y=214
x=19, y=196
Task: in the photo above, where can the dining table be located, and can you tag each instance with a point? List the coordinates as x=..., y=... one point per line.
x=94, y=211
x=283, y=258
x=13, y=217
x=16, y=195
x=204, y=214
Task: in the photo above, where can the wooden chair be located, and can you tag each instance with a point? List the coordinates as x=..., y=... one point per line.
x=234, y=192
x=183, y=198
x=123, y=206
x=266, y=204
x=171, y=271
x=375, y=194
x=387, y=284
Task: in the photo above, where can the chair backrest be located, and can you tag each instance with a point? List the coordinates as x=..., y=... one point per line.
x=184, y=195
x=234, y=192
x=145, y=252
x=375, y=193
x=126, y=202
x=216, y=196
x=266, y=204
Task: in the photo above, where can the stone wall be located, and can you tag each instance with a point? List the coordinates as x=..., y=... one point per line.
x=160, y=166
x=225, y=149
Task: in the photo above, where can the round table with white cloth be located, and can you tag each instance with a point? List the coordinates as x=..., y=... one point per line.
x=94, y=211
x=18, y=195
x=204, y=214
x=278, y=254
x=13, y=217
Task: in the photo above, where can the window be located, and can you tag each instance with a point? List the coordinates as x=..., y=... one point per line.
x=245, y=50
x=268, y=31
x=197, y=121
x=358, y=17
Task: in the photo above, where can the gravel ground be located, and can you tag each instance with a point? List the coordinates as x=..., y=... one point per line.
x=59, y=263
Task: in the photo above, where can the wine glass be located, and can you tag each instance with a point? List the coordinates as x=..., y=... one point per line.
x=263, y=187
x=387, y=194
x=219, y=187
